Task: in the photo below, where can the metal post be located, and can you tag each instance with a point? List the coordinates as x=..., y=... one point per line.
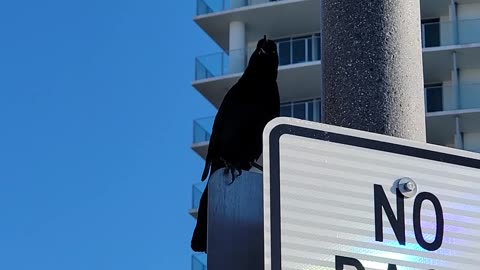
x=372, y=67
x=235, y=222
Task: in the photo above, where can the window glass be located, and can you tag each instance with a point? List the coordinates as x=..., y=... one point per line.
x=284, y=51
x=286, y=110
x=307, y=110
x=299, y=50
x=299, y=110
x=309, y=48
x=431, y=29
x=317, y=47
x=434, y=98
x=318, y=114
x=310, y=111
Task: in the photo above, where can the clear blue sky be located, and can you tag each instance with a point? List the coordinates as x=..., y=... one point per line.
x=96, y=111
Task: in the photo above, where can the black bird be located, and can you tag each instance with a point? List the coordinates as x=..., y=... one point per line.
x=236, y=139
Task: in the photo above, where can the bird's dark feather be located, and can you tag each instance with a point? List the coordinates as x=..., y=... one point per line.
x=236, y=136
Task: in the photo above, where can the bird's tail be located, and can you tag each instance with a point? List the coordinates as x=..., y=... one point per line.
x=206, y=170
x=199, y=237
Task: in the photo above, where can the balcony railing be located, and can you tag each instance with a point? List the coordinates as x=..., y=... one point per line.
x=291, y=51
x=307, y=110
x=437, y=98
x=202, y=129
x=477, y=150
x=299, y=49
x=211, y=6
x=442, y=33
x=222, y=63
x=199, y=261
x=197, y=190
x=441, y=97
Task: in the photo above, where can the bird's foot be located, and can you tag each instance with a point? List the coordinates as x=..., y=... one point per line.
x=232, y=169
x=235, y=172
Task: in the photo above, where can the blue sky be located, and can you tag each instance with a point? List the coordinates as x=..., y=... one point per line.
x=96, y=111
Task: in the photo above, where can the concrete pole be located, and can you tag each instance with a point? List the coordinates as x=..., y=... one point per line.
x=237, y=41
x=372, y=66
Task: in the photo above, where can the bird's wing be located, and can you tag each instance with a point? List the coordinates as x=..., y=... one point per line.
x=224, y=111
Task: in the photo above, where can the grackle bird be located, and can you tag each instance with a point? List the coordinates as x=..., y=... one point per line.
x=236, y=139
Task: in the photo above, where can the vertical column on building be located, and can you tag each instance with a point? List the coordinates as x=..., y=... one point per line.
x=458, y=137
x=458, y=134
x=454, y=20
x=455, y=83
x=238, y=51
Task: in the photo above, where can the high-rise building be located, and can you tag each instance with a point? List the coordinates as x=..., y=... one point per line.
x=450, y=32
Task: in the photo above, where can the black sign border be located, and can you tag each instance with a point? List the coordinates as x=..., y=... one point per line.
x=287, y=129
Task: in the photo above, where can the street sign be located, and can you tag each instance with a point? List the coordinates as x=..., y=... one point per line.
x=337, y=198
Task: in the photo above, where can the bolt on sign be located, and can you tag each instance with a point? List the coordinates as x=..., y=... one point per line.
x=337, y=198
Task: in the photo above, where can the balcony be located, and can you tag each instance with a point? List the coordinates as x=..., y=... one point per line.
x=305, y=110
x=212, y=6
x=219, y=64
x=299, y=59
x=197, y=190
x=441, y=97
x=439, y=44
x=202, y=128
x=437, y=34
x=199, y=261
x=215, y=16
x=442, y=112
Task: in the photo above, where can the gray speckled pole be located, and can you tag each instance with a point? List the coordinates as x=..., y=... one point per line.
x=372, y=66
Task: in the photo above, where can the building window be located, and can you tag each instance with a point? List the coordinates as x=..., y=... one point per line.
x=284, y=48
x=299, y=49
x=306, y=110
x=299, y=110
x=317, y=49
x=434, y=97
x=285, y=110
x=431, y=32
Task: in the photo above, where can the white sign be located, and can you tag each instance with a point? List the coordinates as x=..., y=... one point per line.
x=337, y=198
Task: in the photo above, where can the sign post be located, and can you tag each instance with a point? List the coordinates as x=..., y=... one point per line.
x=337, y=198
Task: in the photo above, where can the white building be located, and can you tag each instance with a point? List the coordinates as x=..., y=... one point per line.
x=451, y=60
